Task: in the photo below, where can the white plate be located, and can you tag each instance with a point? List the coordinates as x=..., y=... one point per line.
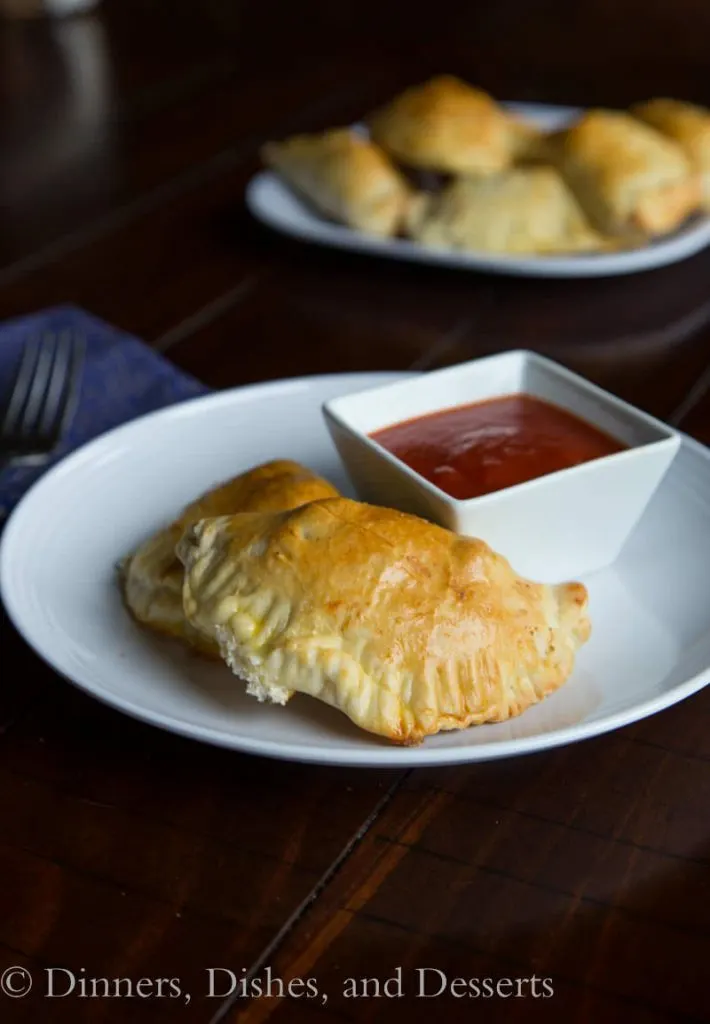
x=651, y=611
x=271, y=201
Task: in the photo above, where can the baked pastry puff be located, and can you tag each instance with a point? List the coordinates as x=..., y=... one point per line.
x=628, y=178
x=447, y=126
x=405, y=627
x=344, y=176
x=522, y=211
x=152, y=577
x=689, y=126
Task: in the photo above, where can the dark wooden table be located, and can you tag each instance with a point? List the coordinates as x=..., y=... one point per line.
x=125, y=144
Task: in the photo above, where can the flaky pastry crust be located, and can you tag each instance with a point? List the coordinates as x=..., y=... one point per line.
x=447, y=126
x=405, y=627
x=152, y=577
x=627, y=176
x=522, y=211
x=344, y=176
x=689, y=126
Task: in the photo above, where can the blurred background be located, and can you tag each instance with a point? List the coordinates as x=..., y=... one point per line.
x=96, y=110
x=128, y=135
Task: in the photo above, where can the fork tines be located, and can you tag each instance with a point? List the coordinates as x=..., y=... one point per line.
x=44, y=394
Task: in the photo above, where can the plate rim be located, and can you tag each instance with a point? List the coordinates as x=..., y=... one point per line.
x=688, y=241
x=371, y=757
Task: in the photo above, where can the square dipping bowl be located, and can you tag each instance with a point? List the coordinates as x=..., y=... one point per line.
x=557, y=527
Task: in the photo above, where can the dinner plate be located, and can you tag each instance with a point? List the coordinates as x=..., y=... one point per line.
x=272, y=202
x=650, y=645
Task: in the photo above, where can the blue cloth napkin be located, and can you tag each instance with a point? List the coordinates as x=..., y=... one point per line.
x=122, y=378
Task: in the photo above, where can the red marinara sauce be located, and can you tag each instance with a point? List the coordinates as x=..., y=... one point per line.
x=477, y=449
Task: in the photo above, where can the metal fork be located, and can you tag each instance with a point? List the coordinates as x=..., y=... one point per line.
x=43, y=398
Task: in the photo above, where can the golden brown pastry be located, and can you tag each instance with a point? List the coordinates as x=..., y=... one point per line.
x=449, y=127
x=689, y=126
x=405, y=627
x=627, y=176
x=345, y=176
x=522, y=211
x=526, y=141
x=152, y=578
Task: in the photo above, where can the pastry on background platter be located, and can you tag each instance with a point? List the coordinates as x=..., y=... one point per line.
x=344, y=176
x=447, y=126
x=405, y=627
x=689, y=126
x=152, y=577
x=528, y=210
x=628, y=177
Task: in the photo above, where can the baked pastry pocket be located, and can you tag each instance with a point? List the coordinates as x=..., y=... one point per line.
x=525, y=211
x=689, y=126
x=152, y=577
x=405, y=627
x=448, y=127
x=345, y=177
x=629, y=179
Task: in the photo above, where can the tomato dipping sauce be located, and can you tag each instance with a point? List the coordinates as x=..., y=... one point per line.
x=481, y=448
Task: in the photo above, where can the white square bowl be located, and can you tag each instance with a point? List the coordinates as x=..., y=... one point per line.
x=556, y=527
